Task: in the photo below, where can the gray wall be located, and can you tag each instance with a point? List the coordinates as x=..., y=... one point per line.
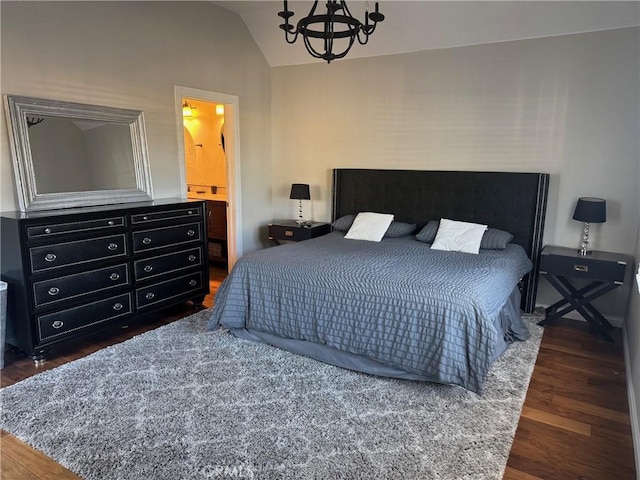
x=565, y=105
x=131, y=55
x=632, y=338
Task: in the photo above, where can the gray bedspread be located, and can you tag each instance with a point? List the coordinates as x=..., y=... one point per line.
x=398, y=302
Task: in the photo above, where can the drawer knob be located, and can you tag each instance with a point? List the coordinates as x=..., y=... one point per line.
x=146, y=240
x=111, y=222
x=581, y=268
x=114, y=276
x=57, y=324
x=148, y=268
x=191, y=233
x=145, y=218
x=190, y=212
x=192, y=283
x=47, y=230
x=112, y=246
x=117, y=306
x=192, y=258
x=50, y=257
x=53, y=291
x=149, y=295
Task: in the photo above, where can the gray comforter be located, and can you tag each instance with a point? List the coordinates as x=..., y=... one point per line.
x=398, y=302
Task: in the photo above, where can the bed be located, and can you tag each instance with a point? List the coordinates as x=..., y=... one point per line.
x=398, y=307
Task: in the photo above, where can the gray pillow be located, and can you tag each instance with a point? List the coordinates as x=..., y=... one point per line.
x=400, y=229
x=428, y=232
x=343, y=224
x=493, y=239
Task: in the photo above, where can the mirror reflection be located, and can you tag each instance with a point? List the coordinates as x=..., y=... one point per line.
x=97, y=153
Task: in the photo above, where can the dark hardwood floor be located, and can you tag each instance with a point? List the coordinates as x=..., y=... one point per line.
x=575, y=420
x=574, y=423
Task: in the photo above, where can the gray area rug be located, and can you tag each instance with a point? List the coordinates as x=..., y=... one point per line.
x=179, y=402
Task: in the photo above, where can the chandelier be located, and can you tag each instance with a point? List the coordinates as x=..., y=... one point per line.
x=336, y=23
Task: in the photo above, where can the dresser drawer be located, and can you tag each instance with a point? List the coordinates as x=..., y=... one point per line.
x=171, y=289
x=169, y=263
x=70, y=320
x=55, y=290
x=66, y=254
x=184, y=212
x=50, y=230
x=293, y=233
x=146, y=240
x=582, y=267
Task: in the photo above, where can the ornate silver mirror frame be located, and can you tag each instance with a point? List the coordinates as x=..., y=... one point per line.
x=122, y=179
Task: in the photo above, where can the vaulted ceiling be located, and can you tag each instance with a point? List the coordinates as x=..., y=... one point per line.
x=412, y=26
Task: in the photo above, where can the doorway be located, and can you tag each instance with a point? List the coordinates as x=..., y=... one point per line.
x=209, y=158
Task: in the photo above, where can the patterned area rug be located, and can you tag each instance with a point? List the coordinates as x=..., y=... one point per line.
x=179, y=402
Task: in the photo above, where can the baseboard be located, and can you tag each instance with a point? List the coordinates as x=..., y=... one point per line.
x=633, y=412
x=617, y=322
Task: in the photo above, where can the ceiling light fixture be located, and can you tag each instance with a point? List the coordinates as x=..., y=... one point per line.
x=336, y=23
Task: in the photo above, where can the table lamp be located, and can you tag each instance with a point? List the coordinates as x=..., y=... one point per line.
x=589, y=210
x=300, y=191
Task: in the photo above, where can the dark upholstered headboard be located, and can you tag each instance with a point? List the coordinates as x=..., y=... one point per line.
x=515, y=202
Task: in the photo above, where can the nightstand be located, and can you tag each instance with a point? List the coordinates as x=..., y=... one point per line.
x=603, y=272
x=289, y=230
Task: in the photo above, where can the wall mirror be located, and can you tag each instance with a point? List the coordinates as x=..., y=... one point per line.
x=70, y=154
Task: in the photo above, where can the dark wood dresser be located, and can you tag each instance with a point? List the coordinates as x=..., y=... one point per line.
x=71, y=272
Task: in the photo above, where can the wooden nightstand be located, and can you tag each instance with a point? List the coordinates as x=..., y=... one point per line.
x=289, y=230
x=604, y=271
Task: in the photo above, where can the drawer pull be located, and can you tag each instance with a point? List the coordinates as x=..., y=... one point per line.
x=191, y=233
x=146, y=240
x=288, y=233
x=117, y=306
x=145, y=218
x=53, y=291
x=149, y=295
x=192, y=258
x=57, y=324
x=190, y=212
x=148, y=268
x=50, y=257
x=114, y=276
x=192, y=283
x=581, y=268
x=111, y=222
x=112, y=246
x=47, y=230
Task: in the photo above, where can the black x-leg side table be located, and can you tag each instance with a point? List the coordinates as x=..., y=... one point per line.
x=603, y=272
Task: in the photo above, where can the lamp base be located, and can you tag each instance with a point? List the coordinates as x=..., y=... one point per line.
x=300, y=221
x=585, y=241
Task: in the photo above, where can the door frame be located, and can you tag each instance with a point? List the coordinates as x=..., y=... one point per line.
x=232, y=150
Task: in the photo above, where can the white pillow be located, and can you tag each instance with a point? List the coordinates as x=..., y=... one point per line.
x=455, y=236
x=369, y=226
